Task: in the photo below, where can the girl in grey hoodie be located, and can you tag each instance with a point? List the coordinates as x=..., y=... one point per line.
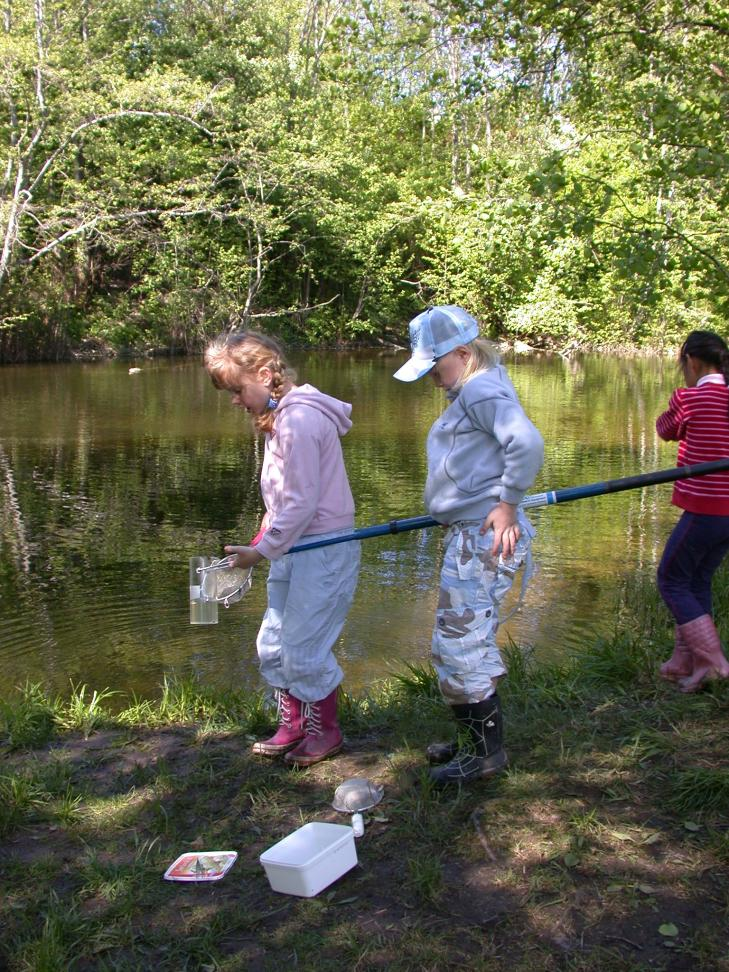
x=306, y=493
x=483, y=455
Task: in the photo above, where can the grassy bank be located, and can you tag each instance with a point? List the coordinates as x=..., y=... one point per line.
x=605, y=847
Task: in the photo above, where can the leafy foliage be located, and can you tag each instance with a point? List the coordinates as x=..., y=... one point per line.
x=326, y=168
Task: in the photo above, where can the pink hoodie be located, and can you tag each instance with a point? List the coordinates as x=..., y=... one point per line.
x=303, y=480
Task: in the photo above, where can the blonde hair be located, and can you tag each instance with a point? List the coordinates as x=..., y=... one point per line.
x=483, y=355
x=246, y=352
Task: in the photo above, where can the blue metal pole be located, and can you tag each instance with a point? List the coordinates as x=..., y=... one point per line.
x=364, y=533
x=628, y=482
x=536, y=499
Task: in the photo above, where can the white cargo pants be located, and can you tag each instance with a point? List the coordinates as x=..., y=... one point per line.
x=309, y=595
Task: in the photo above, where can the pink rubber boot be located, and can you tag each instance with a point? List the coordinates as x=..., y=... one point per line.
x=323, y=735
x=290, y=729
x=680, y=664
x=703, y=641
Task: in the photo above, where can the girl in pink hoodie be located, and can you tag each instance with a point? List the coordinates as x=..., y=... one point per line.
x=306, y=494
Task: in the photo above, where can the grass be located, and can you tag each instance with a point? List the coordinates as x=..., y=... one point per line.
x=28, y=720
x=701, y=790
x=82, y=712
x=19, y=798
x=609, y=825
x=425, y=875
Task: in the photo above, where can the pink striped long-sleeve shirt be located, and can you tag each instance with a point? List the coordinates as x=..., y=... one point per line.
x=698, y=418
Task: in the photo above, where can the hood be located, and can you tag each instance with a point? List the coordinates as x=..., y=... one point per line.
x=496, y=375
x=336, y=411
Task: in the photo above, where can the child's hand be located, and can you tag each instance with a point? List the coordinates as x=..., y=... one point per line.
x=503, y=520
x=243, y=556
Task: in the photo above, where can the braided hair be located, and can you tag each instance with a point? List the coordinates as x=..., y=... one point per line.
x=709, y=348
x=248, y=351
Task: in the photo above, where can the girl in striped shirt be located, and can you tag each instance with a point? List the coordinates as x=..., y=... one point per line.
x=698, y=418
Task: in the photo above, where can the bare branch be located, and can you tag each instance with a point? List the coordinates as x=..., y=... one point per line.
x=39, y=92
x=308, y=309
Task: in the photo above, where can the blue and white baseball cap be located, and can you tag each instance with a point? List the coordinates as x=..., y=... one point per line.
x=434, y=333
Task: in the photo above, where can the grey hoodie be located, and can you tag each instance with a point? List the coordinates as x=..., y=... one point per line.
x=303, y=479
x=482, y=449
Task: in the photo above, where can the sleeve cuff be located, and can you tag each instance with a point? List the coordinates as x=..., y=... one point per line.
x=263, y=549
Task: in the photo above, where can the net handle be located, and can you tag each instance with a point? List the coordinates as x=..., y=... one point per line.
x=529, y=502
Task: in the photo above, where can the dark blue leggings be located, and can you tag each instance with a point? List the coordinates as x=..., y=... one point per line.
x=693, y=552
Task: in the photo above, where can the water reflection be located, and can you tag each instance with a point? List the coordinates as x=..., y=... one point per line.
x=110, y=481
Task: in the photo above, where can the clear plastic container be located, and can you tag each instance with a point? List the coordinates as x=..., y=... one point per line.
x=202, y=610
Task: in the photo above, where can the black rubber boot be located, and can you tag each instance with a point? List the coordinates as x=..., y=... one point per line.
x=438, y=753
x=443, y=752
x=479, y=752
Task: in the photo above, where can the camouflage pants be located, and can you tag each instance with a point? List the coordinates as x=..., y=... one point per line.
x=472, y=585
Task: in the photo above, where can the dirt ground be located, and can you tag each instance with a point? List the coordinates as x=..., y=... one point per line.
x=570, y=865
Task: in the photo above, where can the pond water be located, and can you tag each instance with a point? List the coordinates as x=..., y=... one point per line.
x=110, y=481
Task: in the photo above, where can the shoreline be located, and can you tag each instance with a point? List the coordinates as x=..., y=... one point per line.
x=504, y=347
x=91, y=351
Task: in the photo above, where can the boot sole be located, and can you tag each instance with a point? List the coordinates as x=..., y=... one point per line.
x=484, y=774
x=259, y=749
x=310, y=760
x=672, y=675
x=493, y=770
x=712, y=675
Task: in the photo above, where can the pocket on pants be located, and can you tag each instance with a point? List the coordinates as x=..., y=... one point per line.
x=510, y=565
x=473, y=554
